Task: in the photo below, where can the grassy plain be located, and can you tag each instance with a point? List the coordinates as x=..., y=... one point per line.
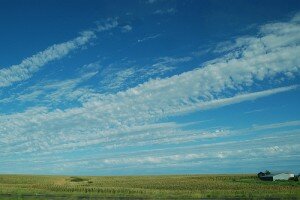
x=148, y=187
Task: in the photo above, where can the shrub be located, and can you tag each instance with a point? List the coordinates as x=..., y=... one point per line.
x=77, y=179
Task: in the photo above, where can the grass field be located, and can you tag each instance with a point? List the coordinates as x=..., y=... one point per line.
x=152, y=187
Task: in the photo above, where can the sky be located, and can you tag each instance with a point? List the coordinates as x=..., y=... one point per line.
x=149, y=86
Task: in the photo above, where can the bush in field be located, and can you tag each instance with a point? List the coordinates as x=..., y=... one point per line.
x=267, y=172
x=295, y=178
x=77, y=179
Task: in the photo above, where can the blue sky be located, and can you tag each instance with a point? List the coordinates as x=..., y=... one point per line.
x=149, y=87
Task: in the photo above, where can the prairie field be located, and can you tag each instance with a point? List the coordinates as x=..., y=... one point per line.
x=148, y=187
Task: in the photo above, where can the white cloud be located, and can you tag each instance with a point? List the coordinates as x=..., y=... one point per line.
x=28, y=66
x=241, y=98
x=224, y=81
x=264, y=147
x=258, y=151
x=115, y=79
x=126, y=28
x=164, y=64
x=54, y=92
x=126, y=74
x=165, y=11
x=209, y=153
x=149, y=37
x=107, y=24
x=276, y=125
x=98, y=120
x=155, y=159
x=254, y=111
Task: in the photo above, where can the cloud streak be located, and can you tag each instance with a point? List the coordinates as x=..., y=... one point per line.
x=30, y=65
x=115, y=120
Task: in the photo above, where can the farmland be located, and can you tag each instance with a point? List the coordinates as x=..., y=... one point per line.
x=171, y=186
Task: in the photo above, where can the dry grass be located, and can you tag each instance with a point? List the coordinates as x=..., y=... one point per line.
x=179, y=186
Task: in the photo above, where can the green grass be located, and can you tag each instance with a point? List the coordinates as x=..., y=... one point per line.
x=153, y=187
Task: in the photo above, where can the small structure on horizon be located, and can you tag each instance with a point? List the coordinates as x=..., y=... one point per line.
x=274, y=177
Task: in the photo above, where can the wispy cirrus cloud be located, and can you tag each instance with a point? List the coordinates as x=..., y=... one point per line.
x=168, y=63
x=127, y=28
x=107, y=24
x=101, y=119
x=254, y=111
x=32, y=64
x=229, y=79
x=53, y=92
x=149, y=38
x=165, y=11
x=257, y=151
